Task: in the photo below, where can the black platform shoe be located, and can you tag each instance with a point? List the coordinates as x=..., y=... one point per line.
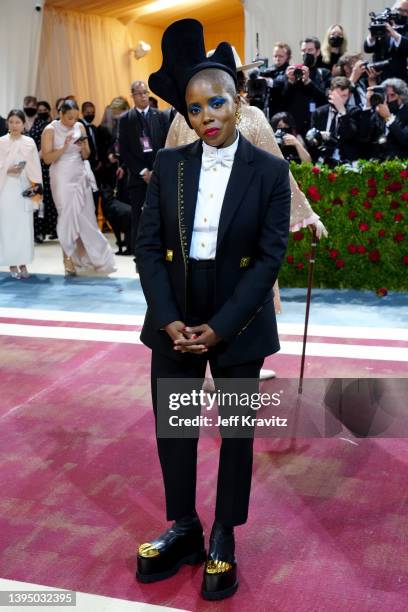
x=220, y=572
x=182, y=544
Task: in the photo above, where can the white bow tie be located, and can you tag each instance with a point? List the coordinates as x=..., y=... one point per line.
x=217, y=156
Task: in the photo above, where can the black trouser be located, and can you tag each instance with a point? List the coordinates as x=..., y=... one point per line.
x=137, y=195
x=178, y=456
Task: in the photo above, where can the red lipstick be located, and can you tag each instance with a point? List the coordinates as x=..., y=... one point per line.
x=211, y=132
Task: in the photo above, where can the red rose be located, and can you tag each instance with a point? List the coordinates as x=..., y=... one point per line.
x=399, y=237
x=398, y=217
x=374, y=255
x=314, y=194
x=387, y=176
x=378, y=216
x=352, y=214
x=404, y=174
x=298, y=236
x=300, y=266
x=382, y=292
x=354, y=191
x=332, y=177
x=405, y=260
x=361, y=249
x=333, y=253
x=338, y=201
x=340, y=263
x=381, y=233
x=396, y=186
x=316, y=170
x=394, y=204
x=367, y=204
x=404, y=196
x=352, y=248
x=371, y=193
x=363, y=227
x=372, y=182
x=290, y=259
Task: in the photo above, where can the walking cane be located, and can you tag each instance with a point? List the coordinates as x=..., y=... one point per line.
x=312, y=261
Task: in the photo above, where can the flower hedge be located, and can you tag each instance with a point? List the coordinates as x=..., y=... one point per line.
x=366, y=215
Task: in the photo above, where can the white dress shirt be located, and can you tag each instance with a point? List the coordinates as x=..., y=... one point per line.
x=216, y=168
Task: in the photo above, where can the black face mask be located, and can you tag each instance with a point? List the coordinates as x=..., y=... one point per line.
x=89, y=118
x=394, y=107
x=336, y=41
x=309, y=60
x=44, y=116
x=30, y=111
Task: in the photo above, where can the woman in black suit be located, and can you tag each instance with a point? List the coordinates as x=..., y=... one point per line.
x=212, y=238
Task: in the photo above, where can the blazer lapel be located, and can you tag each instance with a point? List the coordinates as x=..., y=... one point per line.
x=241, y=174
x=188, y=181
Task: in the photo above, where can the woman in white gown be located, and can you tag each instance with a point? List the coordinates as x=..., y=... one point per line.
x=19, y=167
x=64, y=145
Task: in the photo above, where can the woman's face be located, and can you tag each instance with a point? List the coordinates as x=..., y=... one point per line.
x=15, y=125
x=336, y=31
x=42, y=109
x=282, y=125
x=211, y=111
x=70, y=118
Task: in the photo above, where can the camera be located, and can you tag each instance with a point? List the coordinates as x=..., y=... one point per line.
x=379, y=66
x=378, y=23
x=289, y=152
x=298, y=72
x=258, y=90
x=38, y=7
x=378, y=96
x=325, y=149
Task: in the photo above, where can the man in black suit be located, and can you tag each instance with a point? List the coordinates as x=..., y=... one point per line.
x=142, y=132
x=212, y=238
x=3, y=126
x=394, y=46
x=338, y=122
x=306, y=85
x=384, y=127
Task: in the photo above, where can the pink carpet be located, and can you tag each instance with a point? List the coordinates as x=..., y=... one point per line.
x=81, y=487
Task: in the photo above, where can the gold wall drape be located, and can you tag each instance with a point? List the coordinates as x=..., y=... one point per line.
x=84, y=55
x=91, y=57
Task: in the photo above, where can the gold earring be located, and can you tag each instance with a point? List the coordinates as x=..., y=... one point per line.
x=238, y=114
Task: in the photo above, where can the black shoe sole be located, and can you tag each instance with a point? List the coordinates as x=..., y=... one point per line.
x=214, y=595
x=194, y=559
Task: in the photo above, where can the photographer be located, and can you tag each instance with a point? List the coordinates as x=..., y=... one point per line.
x=337, y=124
x=306, y=85
x=384, y=123
x=282, y=54
x=291, y=144
x=388, y=39
x=361, y=75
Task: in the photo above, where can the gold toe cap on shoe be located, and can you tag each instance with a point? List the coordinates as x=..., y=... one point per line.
x=217, y=567
x=148, y=551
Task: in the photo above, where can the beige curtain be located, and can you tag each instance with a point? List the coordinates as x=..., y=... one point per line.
x=292, y=20
x=83, y=55
x=20, y=32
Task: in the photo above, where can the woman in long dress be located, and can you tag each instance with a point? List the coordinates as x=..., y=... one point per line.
x=64, y=145
x=19, y=167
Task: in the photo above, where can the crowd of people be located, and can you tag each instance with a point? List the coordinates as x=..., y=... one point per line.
x=333, y=108
x=337, y=107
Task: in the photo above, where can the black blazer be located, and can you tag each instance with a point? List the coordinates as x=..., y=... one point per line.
x=3, y=126
x=347, y=130
x=372, y=127
x=396, y=55
x=251, y=244
x=130, y=148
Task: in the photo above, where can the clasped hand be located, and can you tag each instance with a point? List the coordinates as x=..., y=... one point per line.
x=197, y=339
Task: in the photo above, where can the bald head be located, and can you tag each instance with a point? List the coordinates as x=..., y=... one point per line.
x=215, y=76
